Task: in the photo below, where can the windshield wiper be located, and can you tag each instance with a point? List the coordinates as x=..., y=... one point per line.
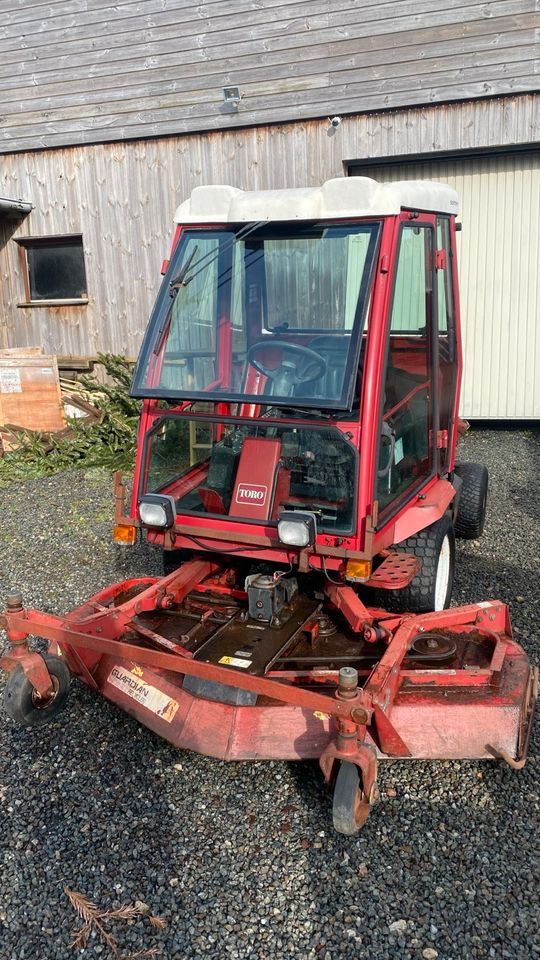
x=178, y=281
x=212, y=255
x=182, y=281
x=164, y=328
x=174, y=287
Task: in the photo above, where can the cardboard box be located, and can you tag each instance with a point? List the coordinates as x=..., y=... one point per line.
x=30, y=395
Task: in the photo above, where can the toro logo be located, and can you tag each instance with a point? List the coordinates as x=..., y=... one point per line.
x=251, y=493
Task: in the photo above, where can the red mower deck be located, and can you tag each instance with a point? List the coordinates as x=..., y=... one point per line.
x=466, y=682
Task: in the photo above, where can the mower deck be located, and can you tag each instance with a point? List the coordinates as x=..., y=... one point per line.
x=328, y=678
x=459, y=724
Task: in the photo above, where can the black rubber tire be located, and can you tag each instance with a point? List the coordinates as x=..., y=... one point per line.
x=20, y=702
x=348, y=806
x=419, y=596
x=471, y=511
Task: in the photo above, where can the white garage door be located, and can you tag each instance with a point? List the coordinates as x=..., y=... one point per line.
x=499, y=265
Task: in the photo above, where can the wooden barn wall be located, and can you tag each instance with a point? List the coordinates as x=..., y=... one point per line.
x=8, y=291
x=74, y=72
x=121, y=197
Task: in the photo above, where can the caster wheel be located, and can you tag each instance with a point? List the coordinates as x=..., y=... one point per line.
x=23, y=704
x=350, y=808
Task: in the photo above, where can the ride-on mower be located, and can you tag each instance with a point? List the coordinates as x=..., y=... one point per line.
x=300, y=376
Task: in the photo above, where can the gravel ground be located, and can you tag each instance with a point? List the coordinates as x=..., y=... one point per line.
x=241, y=859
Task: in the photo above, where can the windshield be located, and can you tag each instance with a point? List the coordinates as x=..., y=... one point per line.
x=265, y=310
x=253, y=470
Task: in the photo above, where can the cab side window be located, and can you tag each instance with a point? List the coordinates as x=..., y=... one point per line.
x=405, y=455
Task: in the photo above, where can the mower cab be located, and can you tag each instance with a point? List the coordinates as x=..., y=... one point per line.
x=300, y=377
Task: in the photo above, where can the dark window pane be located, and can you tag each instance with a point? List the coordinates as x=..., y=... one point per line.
x=197, y=464
x=56, y=270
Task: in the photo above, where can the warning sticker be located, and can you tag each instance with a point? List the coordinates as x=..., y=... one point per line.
x=10, y=381
x=398, y=450
x=150, y=697
x=236, y=662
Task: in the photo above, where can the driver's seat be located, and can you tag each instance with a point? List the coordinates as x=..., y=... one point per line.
x=334, y=349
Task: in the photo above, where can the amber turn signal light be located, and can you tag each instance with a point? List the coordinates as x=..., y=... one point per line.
x=125, y=533
x=358, y=570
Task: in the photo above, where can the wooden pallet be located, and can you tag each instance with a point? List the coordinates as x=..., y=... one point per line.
x=30, y=395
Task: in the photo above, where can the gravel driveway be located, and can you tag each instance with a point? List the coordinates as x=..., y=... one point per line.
x=241, y=859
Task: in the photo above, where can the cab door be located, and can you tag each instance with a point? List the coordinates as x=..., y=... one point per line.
x=409, y=415
x=449, y=362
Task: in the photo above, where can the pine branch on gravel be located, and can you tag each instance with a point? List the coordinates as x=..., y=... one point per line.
x=95, y=919
x=84, y=907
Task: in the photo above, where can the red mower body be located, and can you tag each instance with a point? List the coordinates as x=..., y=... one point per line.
x=420, y=365
x=296, y=465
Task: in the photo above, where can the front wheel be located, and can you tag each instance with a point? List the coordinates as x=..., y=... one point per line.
x=22, y=702
x=350, y=808
x=431, y=589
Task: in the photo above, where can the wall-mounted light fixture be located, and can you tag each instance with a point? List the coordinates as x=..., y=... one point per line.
x=232, y=96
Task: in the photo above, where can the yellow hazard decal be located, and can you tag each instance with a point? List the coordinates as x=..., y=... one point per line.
x=236, y=662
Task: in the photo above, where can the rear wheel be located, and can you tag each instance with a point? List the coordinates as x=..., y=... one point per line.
x=471, y=511
x=22, y=702
x=431, y=589
x=350, y=808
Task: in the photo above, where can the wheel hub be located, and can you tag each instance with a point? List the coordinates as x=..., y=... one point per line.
x=41, y=703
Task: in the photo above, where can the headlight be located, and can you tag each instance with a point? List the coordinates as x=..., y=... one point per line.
x=157, y=510
x=297, y=529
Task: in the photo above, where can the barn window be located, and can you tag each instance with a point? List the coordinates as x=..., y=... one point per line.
x=53, y=269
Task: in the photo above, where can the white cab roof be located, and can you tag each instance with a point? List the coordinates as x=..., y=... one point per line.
x=343, y=197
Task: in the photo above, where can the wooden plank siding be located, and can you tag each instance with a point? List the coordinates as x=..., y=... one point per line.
x=121, y=197
x=74, y=72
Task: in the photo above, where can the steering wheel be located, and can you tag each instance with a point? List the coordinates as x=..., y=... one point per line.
x=304, y=366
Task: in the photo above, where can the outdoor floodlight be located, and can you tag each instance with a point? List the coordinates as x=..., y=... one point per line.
x=232, y=96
